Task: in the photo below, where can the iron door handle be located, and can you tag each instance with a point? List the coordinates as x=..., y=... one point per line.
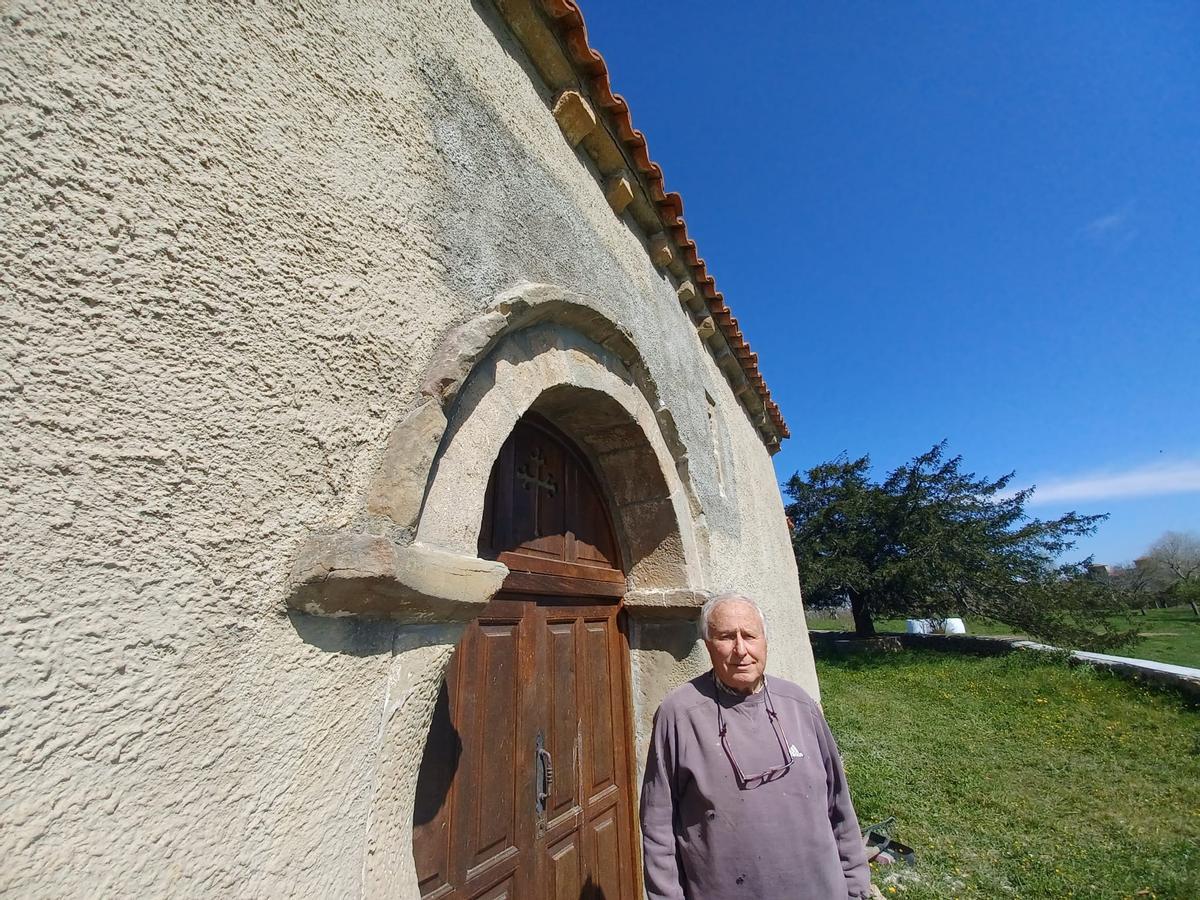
x=543, y=766
x=547, y=767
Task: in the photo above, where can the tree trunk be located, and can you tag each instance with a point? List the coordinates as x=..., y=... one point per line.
x=1194, y=609
x=863, y=626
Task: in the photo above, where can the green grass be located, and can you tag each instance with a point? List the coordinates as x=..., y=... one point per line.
x=1018, y=776
x=1174, y=636
x=1171, y=635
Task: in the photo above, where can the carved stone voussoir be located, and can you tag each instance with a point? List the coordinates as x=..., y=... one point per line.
x=398, y=487
x=354, y=574
x=459, y=351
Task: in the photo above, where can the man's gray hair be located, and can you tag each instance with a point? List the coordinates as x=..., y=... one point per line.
x=710, y=606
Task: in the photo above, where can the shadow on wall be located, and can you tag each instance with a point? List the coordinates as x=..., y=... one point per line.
x=350, y=635
x=439, y=762
x=676, y=636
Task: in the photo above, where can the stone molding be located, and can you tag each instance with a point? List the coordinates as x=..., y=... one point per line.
x=555, y=370
x=677, y=603
x=353, y=574
x=373, y=567
x=399, y=486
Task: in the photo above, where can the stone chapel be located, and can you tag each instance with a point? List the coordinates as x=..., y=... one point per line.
x=374, y=432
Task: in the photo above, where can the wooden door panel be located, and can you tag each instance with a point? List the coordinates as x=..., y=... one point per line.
x=545, y=505
x=565, y=869
x=492, y=777
x=593, y=543
x=431, y=815
x=605, y=855
x=600, y=764
x=505, y=890
x=530, y=666
x=562, y=719
x=539, y=495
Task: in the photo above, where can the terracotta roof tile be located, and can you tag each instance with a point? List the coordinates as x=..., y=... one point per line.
x=573, y=32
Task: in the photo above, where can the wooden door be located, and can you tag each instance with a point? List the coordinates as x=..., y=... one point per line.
x=525, y=785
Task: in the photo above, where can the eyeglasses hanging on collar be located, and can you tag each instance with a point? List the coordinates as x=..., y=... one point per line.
x=749, y=782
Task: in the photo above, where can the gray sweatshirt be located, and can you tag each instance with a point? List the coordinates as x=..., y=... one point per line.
x=704, y=837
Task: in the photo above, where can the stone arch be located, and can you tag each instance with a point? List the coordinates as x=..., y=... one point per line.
x=404, y=476
x=409, y=551
x=587, y=391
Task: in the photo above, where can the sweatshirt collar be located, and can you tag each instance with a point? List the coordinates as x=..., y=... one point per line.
x=723, y=688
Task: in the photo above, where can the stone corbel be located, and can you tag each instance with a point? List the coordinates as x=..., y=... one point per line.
x=354, y=574
x=662, y=254
x=619, y=192
x=575, y=116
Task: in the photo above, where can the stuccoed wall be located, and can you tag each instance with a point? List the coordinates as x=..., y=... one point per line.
x=232, y=241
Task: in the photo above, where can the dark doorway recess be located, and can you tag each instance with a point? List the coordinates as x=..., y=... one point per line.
x=525, y=784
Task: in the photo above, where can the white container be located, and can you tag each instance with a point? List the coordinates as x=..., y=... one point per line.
x=934, y=626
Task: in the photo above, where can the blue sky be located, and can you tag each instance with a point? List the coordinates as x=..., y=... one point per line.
x=974, y=221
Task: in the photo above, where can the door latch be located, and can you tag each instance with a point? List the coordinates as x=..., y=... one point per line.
x=543, y=774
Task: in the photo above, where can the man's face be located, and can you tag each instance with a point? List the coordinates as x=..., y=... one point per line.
x=737, y=646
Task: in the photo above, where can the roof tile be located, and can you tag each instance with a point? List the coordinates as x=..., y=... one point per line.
x=569, y=21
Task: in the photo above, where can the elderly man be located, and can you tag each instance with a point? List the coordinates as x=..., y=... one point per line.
x=744, y=795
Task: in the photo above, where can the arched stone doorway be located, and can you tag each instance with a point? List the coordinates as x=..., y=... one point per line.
x=525, y=788
x=411, y=552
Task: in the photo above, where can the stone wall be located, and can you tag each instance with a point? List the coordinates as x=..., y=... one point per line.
x=234, y=241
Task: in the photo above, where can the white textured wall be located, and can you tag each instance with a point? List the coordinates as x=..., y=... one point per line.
x=232, y=239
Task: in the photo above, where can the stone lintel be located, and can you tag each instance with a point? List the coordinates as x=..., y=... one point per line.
x=575, y=117
x=680, y=603
x=619, y=192
x=354, y=574
x=707, y=328
x=662, y=254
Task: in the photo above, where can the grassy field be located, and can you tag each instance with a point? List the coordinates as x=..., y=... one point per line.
x=1169, y=635
x=1018, y=776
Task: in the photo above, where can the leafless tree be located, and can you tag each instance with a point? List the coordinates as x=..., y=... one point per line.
x=1179, y=553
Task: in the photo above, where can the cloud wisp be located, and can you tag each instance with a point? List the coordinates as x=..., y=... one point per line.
x=1152, y=480
x=1105, y=224
x=1114, y=229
